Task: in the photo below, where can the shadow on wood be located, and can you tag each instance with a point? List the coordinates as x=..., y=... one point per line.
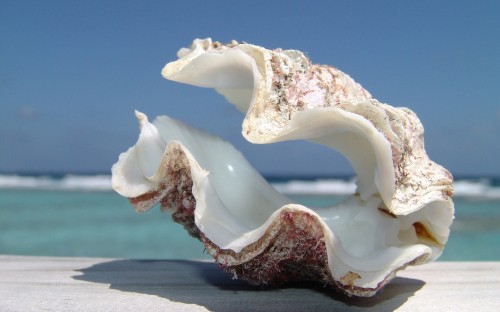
x=202, y=283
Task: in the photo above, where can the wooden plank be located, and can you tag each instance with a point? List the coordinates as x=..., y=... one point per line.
x=90, y=284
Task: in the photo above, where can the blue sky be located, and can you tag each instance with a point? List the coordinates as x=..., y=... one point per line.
x=72, y=73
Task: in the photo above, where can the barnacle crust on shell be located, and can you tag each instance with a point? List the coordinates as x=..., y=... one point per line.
x=399, y=215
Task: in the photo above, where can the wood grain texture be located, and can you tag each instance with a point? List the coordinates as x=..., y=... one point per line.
x=91, y=284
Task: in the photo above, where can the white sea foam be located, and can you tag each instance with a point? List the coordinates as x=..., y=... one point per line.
x=477, y=188
x=319, y=187
x=481, y=188
x=469, y=188
x=68, y=182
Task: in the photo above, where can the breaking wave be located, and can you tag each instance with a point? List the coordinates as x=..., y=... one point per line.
x=483, y=188
x=466, y=188
x=47, y=182
x=479, y=188
x=319, y=187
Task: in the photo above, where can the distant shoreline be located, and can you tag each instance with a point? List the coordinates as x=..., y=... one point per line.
x=482, y=188
x=494, y=179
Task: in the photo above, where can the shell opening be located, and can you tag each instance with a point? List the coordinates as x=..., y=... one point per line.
x=239, y=73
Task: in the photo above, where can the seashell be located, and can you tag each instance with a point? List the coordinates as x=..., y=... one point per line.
x=400, y=214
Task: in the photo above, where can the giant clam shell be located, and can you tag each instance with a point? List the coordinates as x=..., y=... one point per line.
x=400, y=214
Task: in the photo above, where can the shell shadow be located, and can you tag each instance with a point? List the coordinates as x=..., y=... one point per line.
x=204, y=284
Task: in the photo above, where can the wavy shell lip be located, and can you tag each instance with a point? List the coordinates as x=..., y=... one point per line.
x=400, y=214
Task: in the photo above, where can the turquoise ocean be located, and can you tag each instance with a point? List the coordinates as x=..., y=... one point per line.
x=80, y=215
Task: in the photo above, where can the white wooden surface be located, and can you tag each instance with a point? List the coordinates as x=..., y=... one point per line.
x=90, y=284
